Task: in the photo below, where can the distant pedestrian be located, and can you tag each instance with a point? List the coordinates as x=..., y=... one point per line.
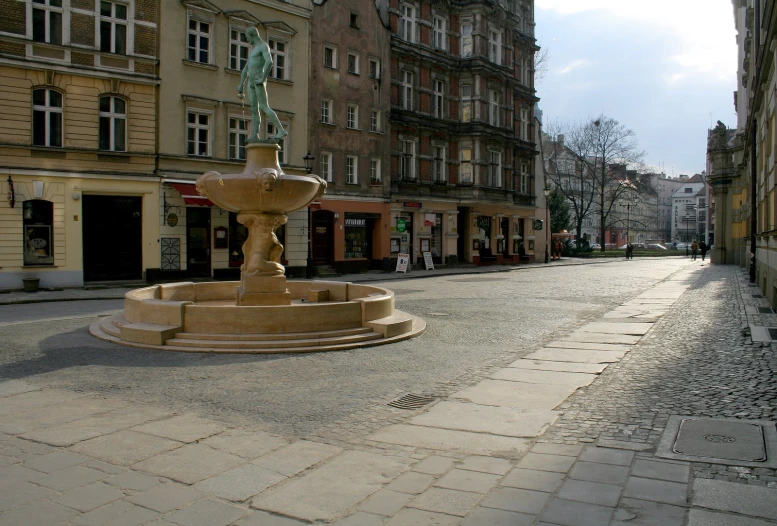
x=703, y=248
x=629, y=251
x=694, y=248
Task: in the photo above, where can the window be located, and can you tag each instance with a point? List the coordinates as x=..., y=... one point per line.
x=354, y=20
x=113, y=28
x=330, y=57
x=198, y=133
x=353, y=117
x=524, y=185
x=439, y=174
x=375, y=177
x=495, y=46
x=199, y=41
x=353, y=63
x=406, y=91
x=466, y=40
x=437, y=99
x=493, y=108
x=375, y=121
x=46, y=117
x=279, y=52
x=47, y=21
x=326, y=111
x=525, y=124
x=494, y=169
x=351, y=169
x=407, y=160
x=238, y=133
x=113, y=124
x=466, y=103
x=283, y=154
x=407, y=22
x=524, y=78
x=465, y=176
x=238, y=49
x=326, y=166
x=440, y=42
x=374, y=68
x=38, y=223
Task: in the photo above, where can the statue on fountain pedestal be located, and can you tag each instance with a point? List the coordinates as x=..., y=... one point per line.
x=256, y=71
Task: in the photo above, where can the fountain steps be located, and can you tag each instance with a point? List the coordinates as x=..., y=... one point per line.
x=181, y=340
x=280, y=336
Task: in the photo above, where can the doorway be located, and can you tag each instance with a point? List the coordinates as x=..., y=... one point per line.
x=112, y=228
x=198, y=241
x=323, y=237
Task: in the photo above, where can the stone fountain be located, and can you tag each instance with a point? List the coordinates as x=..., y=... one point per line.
x=263, y=312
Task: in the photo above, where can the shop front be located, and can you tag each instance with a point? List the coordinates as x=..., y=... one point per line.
x=424, y=227
x=500, y=236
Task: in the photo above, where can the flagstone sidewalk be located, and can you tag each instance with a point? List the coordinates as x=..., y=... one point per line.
x=483, y=456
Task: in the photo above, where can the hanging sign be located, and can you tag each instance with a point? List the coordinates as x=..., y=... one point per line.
x=402, y=261
x=428, y=262
x=401, y=224
x=411, y=204
x=537, y=224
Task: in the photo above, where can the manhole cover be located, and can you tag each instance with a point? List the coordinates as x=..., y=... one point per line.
x=772, y=333
x=758, y=295
x=765, y=310
x=411, y=401
x=721, y=440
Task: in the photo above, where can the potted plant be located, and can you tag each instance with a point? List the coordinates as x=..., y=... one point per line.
x=31, y=284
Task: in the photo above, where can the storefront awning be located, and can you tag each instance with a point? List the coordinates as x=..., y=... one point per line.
x=189, y=193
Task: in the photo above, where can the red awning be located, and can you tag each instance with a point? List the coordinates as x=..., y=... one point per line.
x=189, y=193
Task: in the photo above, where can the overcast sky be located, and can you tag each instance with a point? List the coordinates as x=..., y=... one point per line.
x=664, y=68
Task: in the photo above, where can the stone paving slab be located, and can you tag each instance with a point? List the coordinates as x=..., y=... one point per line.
x=240, y=483
x=570, y=367
x=165, y=497
x=495, y=466
x=296, y=457
x=601, y=337
x=327, y=492
x=183, y=428
x=506, y=421
x=89, y=497
x=576, y=355
x=10, y=387
x=246, y=443
x=737, y=498
x=644, y=512
x=591, y=346
x=495, y=517
x=632, y=328
x=436, y=465
x=446, y=501
x=516, y=394
x=125, y=447
x=710, y=518
x=656, y=491
x=543, y=377
x=190, y=464
x=207, y=512
x=384, y=502
x=464, y=480
x=590, y=492
x=21, y=493
x=415, y=517
x=42, y=513
x=514, y=499
x=58, y=413
x=451, y=440
x=571, y=513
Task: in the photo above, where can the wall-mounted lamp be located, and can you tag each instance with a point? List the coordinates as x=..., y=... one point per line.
x=76, y=196
x=11, y=192
x=309, y=162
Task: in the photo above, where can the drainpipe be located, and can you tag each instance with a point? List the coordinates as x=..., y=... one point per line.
x=753, y=138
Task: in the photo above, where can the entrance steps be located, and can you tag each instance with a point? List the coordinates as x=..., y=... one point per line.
x=326, y=271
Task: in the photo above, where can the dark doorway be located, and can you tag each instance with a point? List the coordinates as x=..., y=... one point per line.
x=112, y=227
x=198, y=241
x=504, y=230
x=462, y=219
x=323, y=237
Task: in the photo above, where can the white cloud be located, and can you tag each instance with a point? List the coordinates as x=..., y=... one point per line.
x=575, y=64
x=702, y=30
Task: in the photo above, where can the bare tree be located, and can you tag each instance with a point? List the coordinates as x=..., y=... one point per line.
x=541, y=60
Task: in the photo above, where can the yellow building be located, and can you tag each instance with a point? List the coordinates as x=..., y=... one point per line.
x=77, y=141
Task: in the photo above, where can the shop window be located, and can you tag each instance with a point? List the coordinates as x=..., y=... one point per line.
x=38, y=223
x=357, y=241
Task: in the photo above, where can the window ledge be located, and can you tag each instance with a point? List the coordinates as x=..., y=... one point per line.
x=233, y=71
x=354, y=73
x=332, y=124
x=192, y=156
x=40, y=266
x=354, y=129
x=202, y=65
x=352, y=184
x=281, y=81
x=330, y=67
x=377, y=132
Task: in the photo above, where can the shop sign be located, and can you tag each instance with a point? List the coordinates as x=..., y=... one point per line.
x=355, y=222
x=412, y=204
x=428, y=262
x=401, y=224
x=402, y=261
x=537, y=224
x=172, y=219
x=484, y=222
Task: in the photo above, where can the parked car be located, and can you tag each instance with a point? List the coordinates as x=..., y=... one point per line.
x=596, y=246
x=681, y=246
x=656, y=246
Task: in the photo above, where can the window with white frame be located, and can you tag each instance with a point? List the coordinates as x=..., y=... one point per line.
x=466, y=40
x=113, y=27
x=495, y=46
x=113, y=124
x=238, y=133
x=330, y=57
x=494, y=169
x=406, y=91
x=407, y=160
x=351, y=169
x=493, y=107
x=465, y=168
x=524, y=184
x=353, y=117
x=199, y=38
x=353, y=62
x=440, y=40
x=283, y=154
x=47, y=21
x=375, y=121
x=326, y=166
x=46, y=117
x=238, y=48
x=407, y=22
x=197, y=133
x=374, y=68
x=525, y=124
x=438, y=99
x=375, y=176
x=525, y=72
x=326, y=111
x=439, y=172
x=466, y=103
x=279, y=49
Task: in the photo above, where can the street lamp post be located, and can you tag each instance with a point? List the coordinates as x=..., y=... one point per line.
x=310, y=269
x=546, y=192
x=628, y=222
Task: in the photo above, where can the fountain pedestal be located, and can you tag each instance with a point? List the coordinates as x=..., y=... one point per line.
x=263, y=290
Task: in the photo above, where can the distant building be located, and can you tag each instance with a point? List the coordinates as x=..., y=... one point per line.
x=689, y=211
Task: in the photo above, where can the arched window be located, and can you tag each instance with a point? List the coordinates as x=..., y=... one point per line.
x=38, y=222
x=113, y=124
x=46, y=117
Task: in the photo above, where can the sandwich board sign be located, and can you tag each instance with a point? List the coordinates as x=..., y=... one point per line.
x=402, y=261
x=428, y=262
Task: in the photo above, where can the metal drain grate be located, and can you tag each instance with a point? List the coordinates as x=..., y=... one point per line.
x=772, y=333
x=411, y=401
x=765, y=310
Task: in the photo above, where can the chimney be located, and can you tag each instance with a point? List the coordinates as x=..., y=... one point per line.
x=560, y=139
